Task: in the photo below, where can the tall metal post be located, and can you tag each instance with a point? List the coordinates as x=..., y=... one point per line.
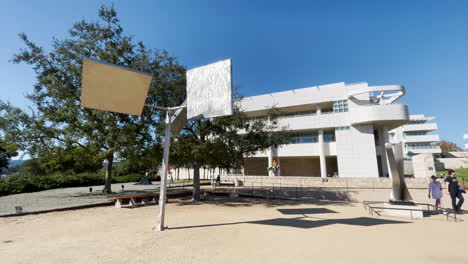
x=165, y=165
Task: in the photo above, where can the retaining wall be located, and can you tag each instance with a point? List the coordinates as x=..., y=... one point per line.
x=289, y=181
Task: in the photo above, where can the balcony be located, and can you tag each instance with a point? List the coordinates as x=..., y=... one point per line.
x=423, y=149
x=314, y=121
x=422, y=138
x=391, y=115
x=420, y=127
x=301, y=150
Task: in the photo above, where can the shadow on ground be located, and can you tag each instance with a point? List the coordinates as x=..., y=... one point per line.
x=304, y=223
x=264, y=197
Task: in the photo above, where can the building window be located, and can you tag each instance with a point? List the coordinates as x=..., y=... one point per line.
x=413, y=122
x=343, y=128
x=416, y=146
x=311, y=137
x=415, y=133
x=299, y=113
x=329, y=136
x=340, y=106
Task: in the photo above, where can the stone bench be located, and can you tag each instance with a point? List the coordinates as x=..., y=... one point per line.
x=135, y=200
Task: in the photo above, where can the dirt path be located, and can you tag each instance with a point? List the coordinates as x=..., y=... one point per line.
x=231, y=231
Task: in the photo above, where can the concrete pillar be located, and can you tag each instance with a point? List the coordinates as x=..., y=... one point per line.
x=323, y=162
x=319, y=110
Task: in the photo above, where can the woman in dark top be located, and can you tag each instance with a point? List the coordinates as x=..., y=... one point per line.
x=454, y=190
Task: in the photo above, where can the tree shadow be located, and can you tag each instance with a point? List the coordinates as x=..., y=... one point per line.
x=224, y=199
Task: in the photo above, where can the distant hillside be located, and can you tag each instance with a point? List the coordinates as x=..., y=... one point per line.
x=14, y=163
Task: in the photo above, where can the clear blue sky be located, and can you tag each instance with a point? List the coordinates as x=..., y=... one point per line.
x=280, y=45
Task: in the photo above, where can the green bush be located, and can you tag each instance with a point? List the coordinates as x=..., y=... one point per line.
x=127, y=178
x=26, y=183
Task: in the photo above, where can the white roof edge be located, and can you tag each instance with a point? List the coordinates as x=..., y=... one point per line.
x=338, y=84
x=421, y=117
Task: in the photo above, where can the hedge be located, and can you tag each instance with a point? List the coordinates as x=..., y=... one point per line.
x=22, y=183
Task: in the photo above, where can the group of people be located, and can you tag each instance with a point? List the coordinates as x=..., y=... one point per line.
x=453, y=189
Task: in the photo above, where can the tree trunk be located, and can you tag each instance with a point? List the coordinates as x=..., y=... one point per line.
x=108, y=180
x=178, y=171
x=196, y=184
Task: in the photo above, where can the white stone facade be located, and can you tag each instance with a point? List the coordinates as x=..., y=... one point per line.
x=416, y=136
x=465, y=137
x=336, y=129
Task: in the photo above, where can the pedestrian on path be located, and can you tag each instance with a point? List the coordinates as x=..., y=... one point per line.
x=455, y=191
x=435, y=188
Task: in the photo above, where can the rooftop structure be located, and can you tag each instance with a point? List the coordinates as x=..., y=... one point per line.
x=335, y=129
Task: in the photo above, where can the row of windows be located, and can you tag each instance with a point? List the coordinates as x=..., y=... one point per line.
x=300, y=113
x=312, y=137
x=412, y=122
x=415, y=133
x=419, y=146
x=338, y=106
x=343, y=128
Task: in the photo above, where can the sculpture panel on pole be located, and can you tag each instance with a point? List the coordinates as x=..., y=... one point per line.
x=209, y=91
x=114, y=88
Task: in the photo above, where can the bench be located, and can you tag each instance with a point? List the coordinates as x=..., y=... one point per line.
x=134, y=200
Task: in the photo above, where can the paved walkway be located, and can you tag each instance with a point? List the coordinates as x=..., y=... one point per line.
x=71, y=197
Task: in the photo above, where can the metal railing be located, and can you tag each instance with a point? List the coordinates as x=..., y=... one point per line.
x=368, y=205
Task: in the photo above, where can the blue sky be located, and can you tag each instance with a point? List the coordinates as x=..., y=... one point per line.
x=280, y=45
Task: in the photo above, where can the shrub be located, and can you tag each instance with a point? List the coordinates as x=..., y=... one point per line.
x=27, y=183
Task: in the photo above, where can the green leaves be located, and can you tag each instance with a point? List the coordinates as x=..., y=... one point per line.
x=57, y=129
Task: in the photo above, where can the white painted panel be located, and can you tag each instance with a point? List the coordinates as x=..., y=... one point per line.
x=209, y=90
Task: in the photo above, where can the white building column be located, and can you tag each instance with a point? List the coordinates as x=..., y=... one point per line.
x=323, y=162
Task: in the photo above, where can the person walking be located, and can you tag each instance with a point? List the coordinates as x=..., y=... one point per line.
x=454, y=190
x=435, y=188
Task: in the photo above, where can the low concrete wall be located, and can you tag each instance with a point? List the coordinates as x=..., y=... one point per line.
x=452, y=163
x=289, y=181
x=408, y=167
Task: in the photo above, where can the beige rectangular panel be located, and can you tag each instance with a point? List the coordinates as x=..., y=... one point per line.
x=209, y=91
x=113, y=88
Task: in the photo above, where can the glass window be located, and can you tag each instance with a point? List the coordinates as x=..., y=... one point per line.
x=329, y=136
x=340, y=106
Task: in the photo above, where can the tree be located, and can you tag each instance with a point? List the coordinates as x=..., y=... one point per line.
x=57, y=120
x=448, y=146
x=6, y=152
x=223, y=142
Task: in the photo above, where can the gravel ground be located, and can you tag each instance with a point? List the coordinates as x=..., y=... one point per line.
x=233, y=230
x=70, y=197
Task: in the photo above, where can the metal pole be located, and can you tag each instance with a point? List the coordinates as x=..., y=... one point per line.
x=165, y=165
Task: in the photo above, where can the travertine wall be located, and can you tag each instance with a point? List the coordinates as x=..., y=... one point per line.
x=423, y=165
x=356, y=152
x=282, y=181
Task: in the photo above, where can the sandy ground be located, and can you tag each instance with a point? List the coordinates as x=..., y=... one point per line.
x=224, y=230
